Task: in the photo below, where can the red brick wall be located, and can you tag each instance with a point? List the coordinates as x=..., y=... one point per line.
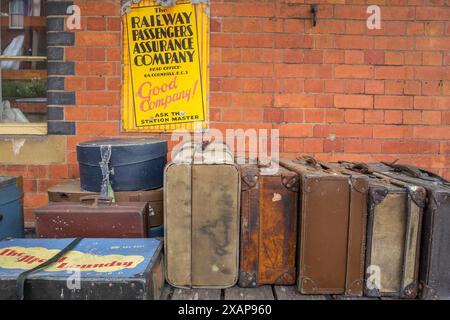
x=338, y=91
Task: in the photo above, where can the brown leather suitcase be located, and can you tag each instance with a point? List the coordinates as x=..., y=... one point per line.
x=70, y=191
x=201, y=214
x=93, y=217
x=434, y=274
x=154, y=198
x=393, y=237
x=333, y=214
x=268, y=226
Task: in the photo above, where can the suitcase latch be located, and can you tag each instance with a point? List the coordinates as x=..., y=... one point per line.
x=96, y=199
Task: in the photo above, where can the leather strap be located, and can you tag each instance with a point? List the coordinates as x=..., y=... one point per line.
x=313, y=162
x=96, y=199
x=22, y=278
x=309, y=160
x=360, y=167
x=416, y=172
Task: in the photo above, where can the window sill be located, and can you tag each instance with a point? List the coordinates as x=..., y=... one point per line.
x=33, y=129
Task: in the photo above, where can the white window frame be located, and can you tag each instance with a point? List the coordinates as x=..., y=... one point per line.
x=23, y=129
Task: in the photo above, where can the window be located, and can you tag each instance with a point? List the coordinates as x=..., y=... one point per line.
x=16, y=14
x=23, y=68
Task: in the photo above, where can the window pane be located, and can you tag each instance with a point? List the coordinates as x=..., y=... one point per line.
x=23, y=83
x=16, y=21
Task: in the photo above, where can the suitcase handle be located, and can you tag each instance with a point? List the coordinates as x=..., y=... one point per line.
x=96, y=199
x=356, y=166
x=412, y=171
x=416, y=172
x=313, y=162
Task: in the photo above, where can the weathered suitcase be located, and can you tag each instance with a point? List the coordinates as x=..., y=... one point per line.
x=434, y=274
x=96, y=269
x=201, y=217
x=129, y=165
x=393, y=237
x=268, y=226
x=154, y=198
x=11, y=207
x=70, y=191
x=101, y=219
x=333, y=214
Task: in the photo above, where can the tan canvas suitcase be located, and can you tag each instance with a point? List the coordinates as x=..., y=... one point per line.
x=434, y=271
x=393, y=236
x=201, y=214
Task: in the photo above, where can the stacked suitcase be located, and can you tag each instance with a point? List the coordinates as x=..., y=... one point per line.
x=133, y=169
x=70, y=191
x=89, y=246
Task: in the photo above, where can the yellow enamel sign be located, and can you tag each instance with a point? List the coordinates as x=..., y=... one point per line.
x=165, y=67
x=28, y=258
